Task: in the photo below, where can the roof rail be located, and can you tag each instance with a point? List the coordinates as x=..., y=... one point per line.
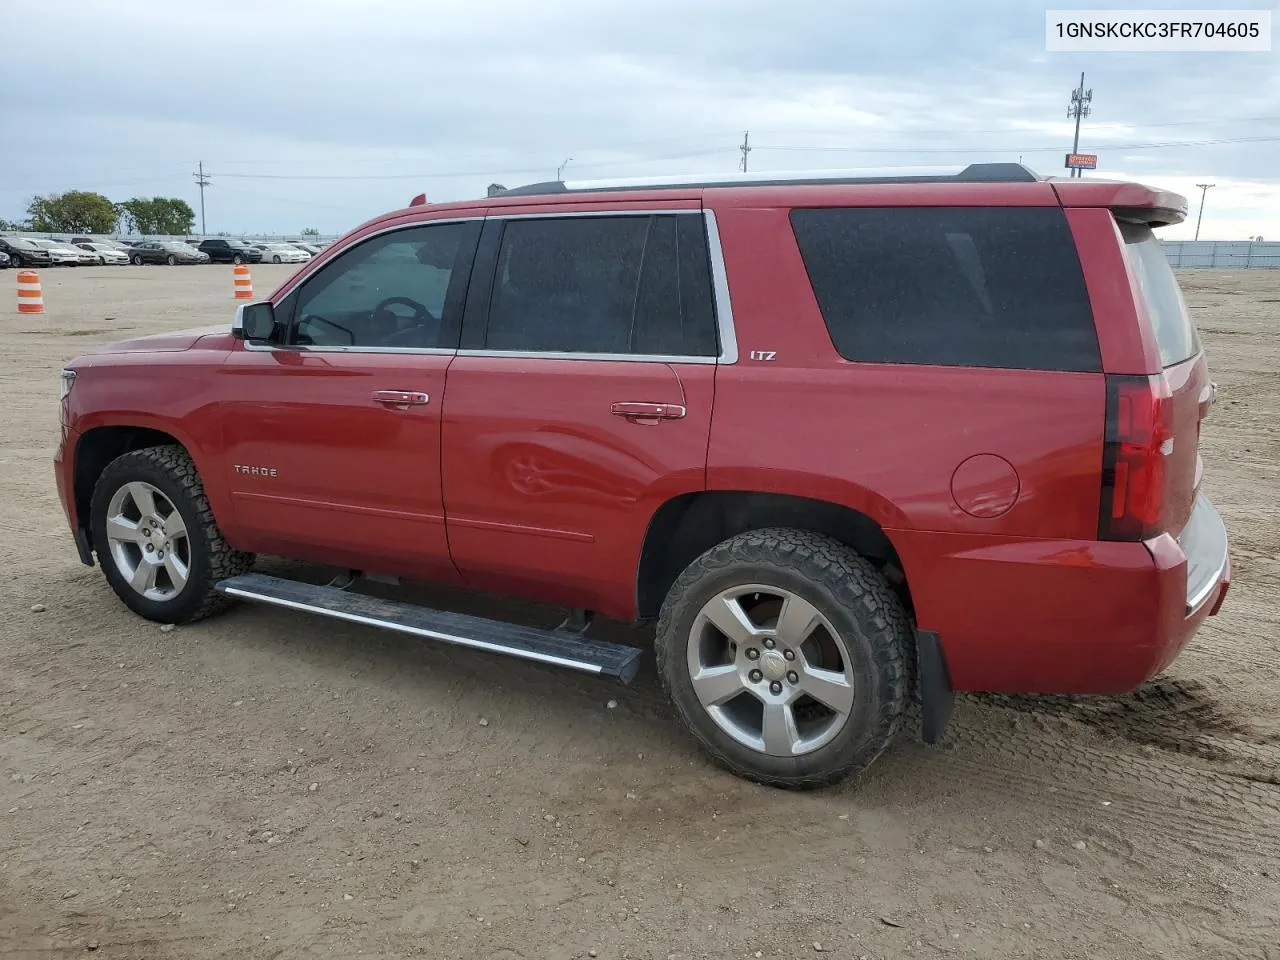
x=973, y=173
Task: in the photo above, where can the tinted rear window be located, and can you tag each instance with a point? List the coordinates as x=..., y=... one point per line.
x=955, y=286
x=1175, y=332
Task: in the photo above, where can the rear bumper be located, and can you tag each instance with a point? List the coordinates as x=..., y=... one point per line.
x=1064, y=616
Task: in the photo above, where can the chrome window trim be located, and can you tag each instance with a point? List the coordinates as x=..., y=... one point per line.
x=720, y=290
x=554, y=355
x=578, y=214
x=306, y=348
x=719, y=284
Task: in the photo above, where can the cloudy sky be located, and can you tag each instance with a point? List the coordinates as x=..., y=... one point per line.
x=319, y=113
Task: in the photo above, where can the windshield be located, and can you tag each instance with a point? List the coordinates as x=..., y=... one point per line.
x=1175, y=331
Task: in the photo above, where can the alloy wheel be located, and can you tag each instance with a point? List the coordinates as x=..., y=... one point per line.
x=147, y=541
x=770, y=670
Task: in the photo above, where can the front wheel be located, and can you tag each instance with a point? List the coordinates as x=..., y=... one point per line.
x=275, y=259
x=156, y=539
x=171, y=260
x=785, y=654
x=237, y=259
x=137, y=260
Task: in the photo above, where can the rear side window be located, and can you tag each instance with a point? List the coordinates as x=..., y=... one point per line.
x=636, y=285
x=1170, y=320
x=953, y=286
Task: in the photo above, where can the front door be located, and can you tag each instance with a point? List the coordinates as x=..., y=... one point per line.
x=580, y=402
x=333, y=432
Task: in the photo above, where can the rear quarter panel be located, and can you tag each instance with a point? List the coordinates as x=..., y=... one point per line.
x=886, y=439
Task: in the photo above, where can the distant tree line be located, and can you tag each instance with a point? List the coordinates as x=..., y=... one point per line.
x=81, y=211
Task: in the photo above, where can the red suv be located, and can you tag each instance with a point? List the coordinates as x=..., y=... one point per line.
x=849, y=442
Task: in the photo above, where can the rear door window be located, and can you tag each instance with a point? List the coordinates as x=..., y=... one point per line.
x=953, y=286
x=1171, y=321
x=607, y=285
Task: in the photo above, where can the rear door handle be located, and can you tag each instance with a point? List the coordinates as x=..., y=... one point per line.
x=400, y=398
x=633, y=410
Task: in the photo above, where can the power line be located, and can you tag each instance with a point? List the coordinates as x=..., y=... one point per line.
x=1042, y=148
x=436, y=175
x=1218, y=121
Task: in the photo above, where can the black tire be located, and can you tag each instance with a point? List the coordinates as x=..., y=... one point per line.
x=858, y=603
x=276, y=258
x=170, y=470
x=137, y=260
x=171, y=260
x=237, y=259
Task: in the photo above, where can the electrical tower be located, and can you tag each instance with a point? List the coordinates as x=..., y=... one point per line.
x=1078, y=109
x=1204, y=189
x=745, y=148
x=201, y=181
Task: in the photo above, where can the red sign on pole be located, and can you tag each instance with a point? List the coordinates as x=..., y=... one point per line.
x=1082, y=161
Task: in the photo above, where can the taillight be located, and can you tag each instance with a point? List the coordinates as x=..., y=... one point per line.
x=1138, y=440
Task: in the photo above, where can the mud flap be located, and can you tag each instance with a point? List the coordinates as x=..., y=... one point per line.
x=83, y=548
x=937, y=699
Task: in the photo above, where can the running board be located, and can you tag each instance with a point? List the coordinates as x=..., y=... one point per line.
x=559, y=648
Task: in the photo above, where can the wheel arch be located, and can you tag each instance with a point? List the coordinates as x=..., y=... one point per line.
x=688, y=525
x=99, y=445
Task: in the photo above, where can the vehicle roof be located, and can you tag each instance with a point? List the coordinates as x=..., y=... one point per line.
x=975, y=184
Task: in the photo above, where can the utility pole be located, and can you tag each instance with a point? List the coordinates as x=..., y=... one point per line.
x=1204, y=188
x=745, y=148
x=560, y=169
x=1078, y=108
x=201, y=181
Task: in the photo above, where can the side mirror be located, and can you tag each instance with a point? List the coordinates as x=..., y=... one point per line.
x=255, y=322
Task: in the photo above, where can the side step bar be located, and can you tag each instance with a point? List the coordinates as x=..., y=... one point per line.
x=559, y=648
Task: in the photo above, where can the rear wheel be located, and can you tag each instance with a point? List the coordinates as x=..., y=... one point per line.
x=156, y=539
x=137, y=260
x=785, y=654
x=171, y=260
x=237, y=259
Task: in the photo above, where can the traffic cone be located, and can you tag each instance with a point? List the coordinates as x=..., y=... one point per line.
x=244, y=282
x=30, y=299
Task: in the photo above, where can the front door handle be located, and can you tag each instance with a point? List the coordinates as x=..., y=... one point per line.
x=648, y=411
x=400, y=398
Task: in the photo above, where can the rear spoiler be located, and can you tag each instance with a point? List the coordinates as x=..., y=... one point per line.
x=1130, y=202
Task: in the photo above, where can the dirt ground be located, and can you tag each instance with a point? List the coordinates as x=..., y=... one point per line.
x=267, y=785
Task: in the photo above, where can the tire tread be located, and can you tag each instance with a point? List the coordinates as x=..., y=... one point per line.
x=223, y=560
x=855, y=583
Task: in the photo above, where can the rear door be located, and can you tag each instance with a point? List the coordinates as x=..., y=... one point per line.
x=580, y=402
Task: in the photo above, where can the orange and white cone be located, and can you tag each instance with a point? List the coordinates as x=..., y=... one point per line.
x=30, y=299
x=244, y=282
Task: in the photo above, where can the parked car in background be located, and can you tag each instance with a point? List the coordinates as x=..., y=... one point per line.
x=105, y=241
x=107, y=255
x=63, y=254
x=283, y=253
x=165, y=251
x=25, y=253
x=221, y=250
x=146, y=251
x=309, y=248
